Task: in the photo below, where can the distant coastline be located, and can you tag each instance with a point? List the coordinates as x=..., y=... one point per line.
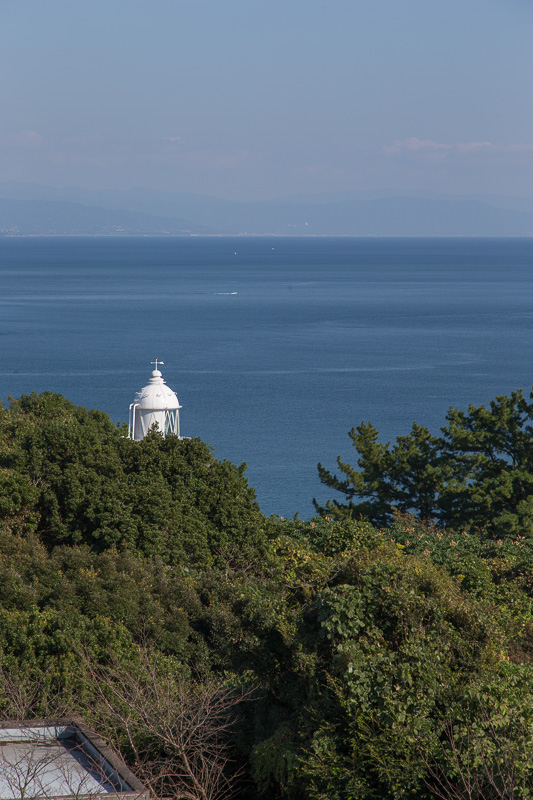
x=261, y=236
x=34, y=210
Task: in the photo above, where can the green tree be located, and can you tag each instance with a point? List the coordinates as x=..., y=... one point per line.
x=491, y=450
x=477, y=476
x=408, y=475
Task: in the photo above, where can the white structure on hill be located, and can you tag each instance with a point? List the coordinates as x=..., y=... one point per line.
x=156, y=404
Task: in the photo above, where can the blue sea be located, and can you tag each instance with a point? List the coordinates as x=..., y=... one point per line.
x=276, y=347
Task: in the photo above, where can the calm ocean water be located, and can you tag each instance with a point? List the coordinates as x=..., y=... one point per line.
x=321, y=334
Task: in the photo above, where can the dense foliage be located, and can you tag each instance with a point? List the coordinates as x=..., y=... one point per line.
x=341, y=659
x=72, y=477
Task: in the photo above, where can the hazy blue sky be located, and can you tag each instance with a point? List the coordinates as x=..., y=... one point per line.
x=249, y=99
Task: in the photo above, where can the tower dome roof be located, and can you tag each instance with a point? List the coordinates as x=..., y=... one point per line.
x=156, y=394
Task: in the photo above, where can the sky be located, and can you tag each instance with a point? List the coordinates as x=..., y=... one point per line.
x=253, y=100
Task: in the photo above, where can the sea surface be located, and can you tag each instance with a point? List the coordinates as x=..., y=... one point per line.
x=276, y=347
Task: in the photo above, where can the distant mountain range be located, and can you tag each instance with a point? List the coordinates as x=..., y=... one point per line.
x=40, y=217
x=33, y=209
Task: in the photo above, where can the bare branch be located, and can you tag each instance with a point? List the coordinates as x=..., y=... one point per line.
x=176, y=731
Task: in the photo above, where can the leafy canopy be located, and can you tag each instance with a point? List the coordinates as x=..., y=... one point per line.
x=72, y=477
x=385, y=661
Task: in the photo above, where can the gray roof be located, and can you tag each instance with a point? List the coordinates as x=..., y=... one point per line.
x=61, y=759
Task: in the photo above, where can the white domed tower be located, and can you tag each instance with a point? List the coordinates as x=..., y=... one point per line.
x=155, y=404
